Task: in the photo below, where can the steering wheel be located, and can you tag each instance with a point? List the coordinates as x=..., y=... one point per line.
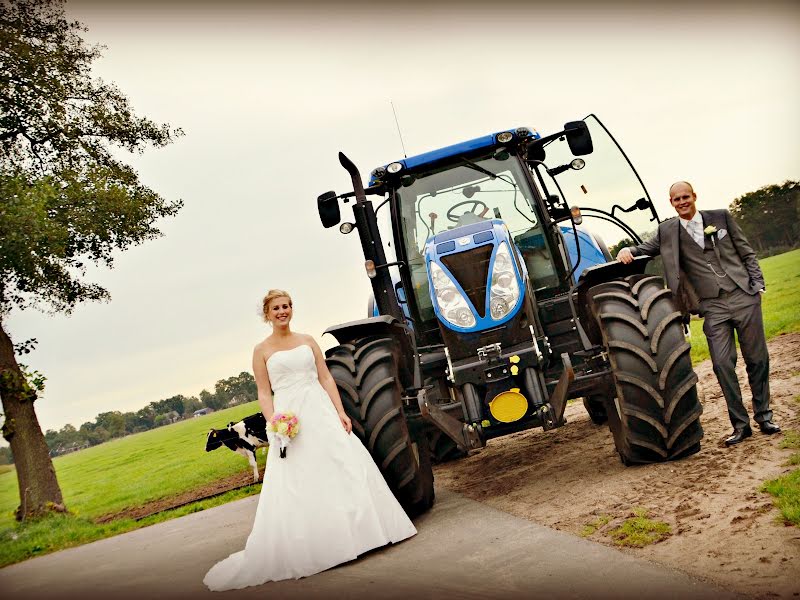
x=475, y=204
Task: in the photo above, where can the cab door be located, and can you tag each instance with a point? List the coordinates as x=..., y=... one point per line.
x=615, y=207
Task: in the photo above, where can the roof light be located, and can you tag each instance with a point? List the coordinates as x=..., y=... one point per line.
x=370, y=267
x=395, y=167
x=346, y=228
x=577, y=217
x=505, y=137
x=523, y=132
x=379, y=172
x=577, y=164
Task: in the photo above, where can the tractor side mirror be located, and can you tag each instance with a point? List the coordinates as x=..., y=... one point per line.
x=328, y=207
x=578, y=138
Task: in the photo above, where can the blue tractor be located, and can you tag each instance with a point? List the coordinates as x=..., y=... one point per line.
x=496, y=300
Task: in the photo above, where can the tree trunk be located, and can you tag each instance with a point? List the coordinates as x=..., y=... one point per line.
x=39, y=491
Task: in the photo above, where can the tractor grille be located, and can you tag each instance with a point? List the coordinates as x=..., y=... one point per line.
x=471, y=270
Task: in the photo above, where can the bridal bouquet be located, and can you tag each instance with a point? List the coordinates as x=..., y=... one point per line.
x=285, y=426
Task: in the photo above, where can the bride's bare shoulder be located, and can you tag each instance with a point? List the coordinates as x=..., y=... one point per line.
x=309, y=340
x=263, y=349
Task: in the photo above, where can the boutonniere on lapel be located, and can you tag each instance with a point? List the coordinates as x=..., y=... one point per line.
x=711, y=232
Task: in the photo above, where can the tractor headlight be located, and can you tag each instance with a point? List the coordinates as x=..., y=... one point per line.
x=504, y=286
x=505, y=137
x=452, y=304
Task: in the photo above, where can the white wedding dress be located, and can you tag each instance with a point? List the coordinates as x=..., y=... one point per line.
x=322, y=505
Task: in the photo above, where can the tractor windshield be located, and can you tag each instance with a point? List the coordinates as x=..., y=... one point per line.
x=470, y=192
x=462, y=194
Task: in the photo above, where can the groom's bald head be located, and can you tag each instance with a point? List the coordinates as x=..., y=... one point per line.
x=686, y=183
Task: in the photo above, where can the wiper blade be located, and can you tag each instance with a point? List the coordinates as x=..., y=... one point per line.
x=479, y=168
x=486, y=171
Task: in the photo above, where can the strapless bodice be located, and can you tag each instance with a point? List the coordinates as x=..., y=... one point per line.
x=290, y=367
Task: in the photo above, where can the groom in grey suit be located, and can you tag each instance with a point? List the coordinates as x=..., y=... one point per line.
x=706, y=256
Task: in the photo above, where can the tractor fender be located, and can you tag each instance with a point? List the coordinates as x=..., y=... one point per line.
x=383, y=325
x=601, y=274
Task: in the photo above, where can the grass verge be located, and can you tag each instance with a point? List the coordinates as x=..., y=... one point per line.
x=786, y=489
x=639, y=531
x=591, y=528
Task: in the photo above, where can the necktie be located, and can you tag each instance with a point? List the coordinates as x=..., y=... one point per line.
x=695, y=230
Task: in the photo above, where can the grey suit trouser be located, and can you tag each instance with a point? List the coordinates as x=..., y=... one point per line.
x=739, y=311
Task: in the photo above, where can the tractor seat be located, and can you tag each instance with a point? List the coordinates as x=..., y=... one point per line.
x=468, y=218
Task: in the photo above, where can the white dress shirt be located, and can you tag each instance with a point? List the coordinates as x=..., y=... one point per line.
x=694, y=227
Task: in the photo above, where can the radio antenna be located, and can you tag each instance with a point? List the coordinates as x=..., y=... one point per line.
x=399, y=133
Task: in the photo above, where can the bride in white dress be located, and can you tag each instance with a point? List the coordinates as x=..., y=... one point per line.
x=326, y=502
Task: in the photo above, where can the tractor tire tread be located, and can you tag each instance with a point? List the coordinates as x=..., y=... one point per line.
x=656, y=413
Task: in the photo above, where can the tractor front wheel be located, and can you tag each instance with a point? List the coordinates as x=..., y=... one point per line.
x=443, y=449
x=367, y=376
x=656, y=413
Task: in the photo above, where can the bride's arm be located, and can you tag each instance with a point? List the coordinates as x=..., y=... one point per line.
x=329, y=385
x=262, y=383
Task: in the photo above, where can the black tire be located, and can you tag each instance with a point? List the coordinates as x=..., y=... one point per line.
x=596, y=407
x=366, y=374
x=443, y=448
x=656, y=414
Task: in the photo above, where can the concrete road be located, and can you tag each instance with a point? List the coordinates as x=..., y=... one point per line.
x=463, y=550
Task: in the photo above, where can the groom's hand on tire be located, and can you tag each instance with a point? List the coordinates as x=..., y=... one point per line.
x=625, y=256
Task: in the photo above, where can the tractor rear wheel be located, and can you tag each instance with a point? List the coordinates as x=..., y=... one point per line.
x=596, y=407
x=367, y=376
x=656, y=414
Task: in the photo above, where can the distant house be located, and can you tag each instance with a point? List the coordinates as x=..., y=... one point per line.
x=203, y=411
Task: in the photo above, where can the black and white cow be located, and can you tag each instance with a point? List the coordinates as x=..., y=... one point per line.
x=242, y=437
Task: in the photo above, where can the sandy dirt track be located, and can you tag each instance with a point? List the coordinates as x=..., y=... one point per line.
x=724, y=529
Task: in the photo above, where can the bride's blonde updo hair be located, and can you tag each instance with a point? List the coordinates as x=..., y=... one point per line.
x=272, y=295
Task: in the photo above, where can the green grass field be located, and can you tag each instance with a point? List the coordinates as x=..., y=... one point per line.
x=779, y=305
x=138, y=468
x=168, y=461
x=126, y=472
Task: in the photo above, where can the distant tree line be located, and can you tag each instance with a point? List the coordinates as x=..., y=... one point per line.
x=116, y=424
x=770, y=217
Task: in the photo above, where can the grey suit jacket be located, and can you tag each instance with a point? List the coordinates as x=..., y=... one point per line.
x=736, y=256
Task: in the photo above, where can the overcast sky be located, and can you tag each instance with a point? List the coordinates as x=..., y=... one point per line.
x=267, y=97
